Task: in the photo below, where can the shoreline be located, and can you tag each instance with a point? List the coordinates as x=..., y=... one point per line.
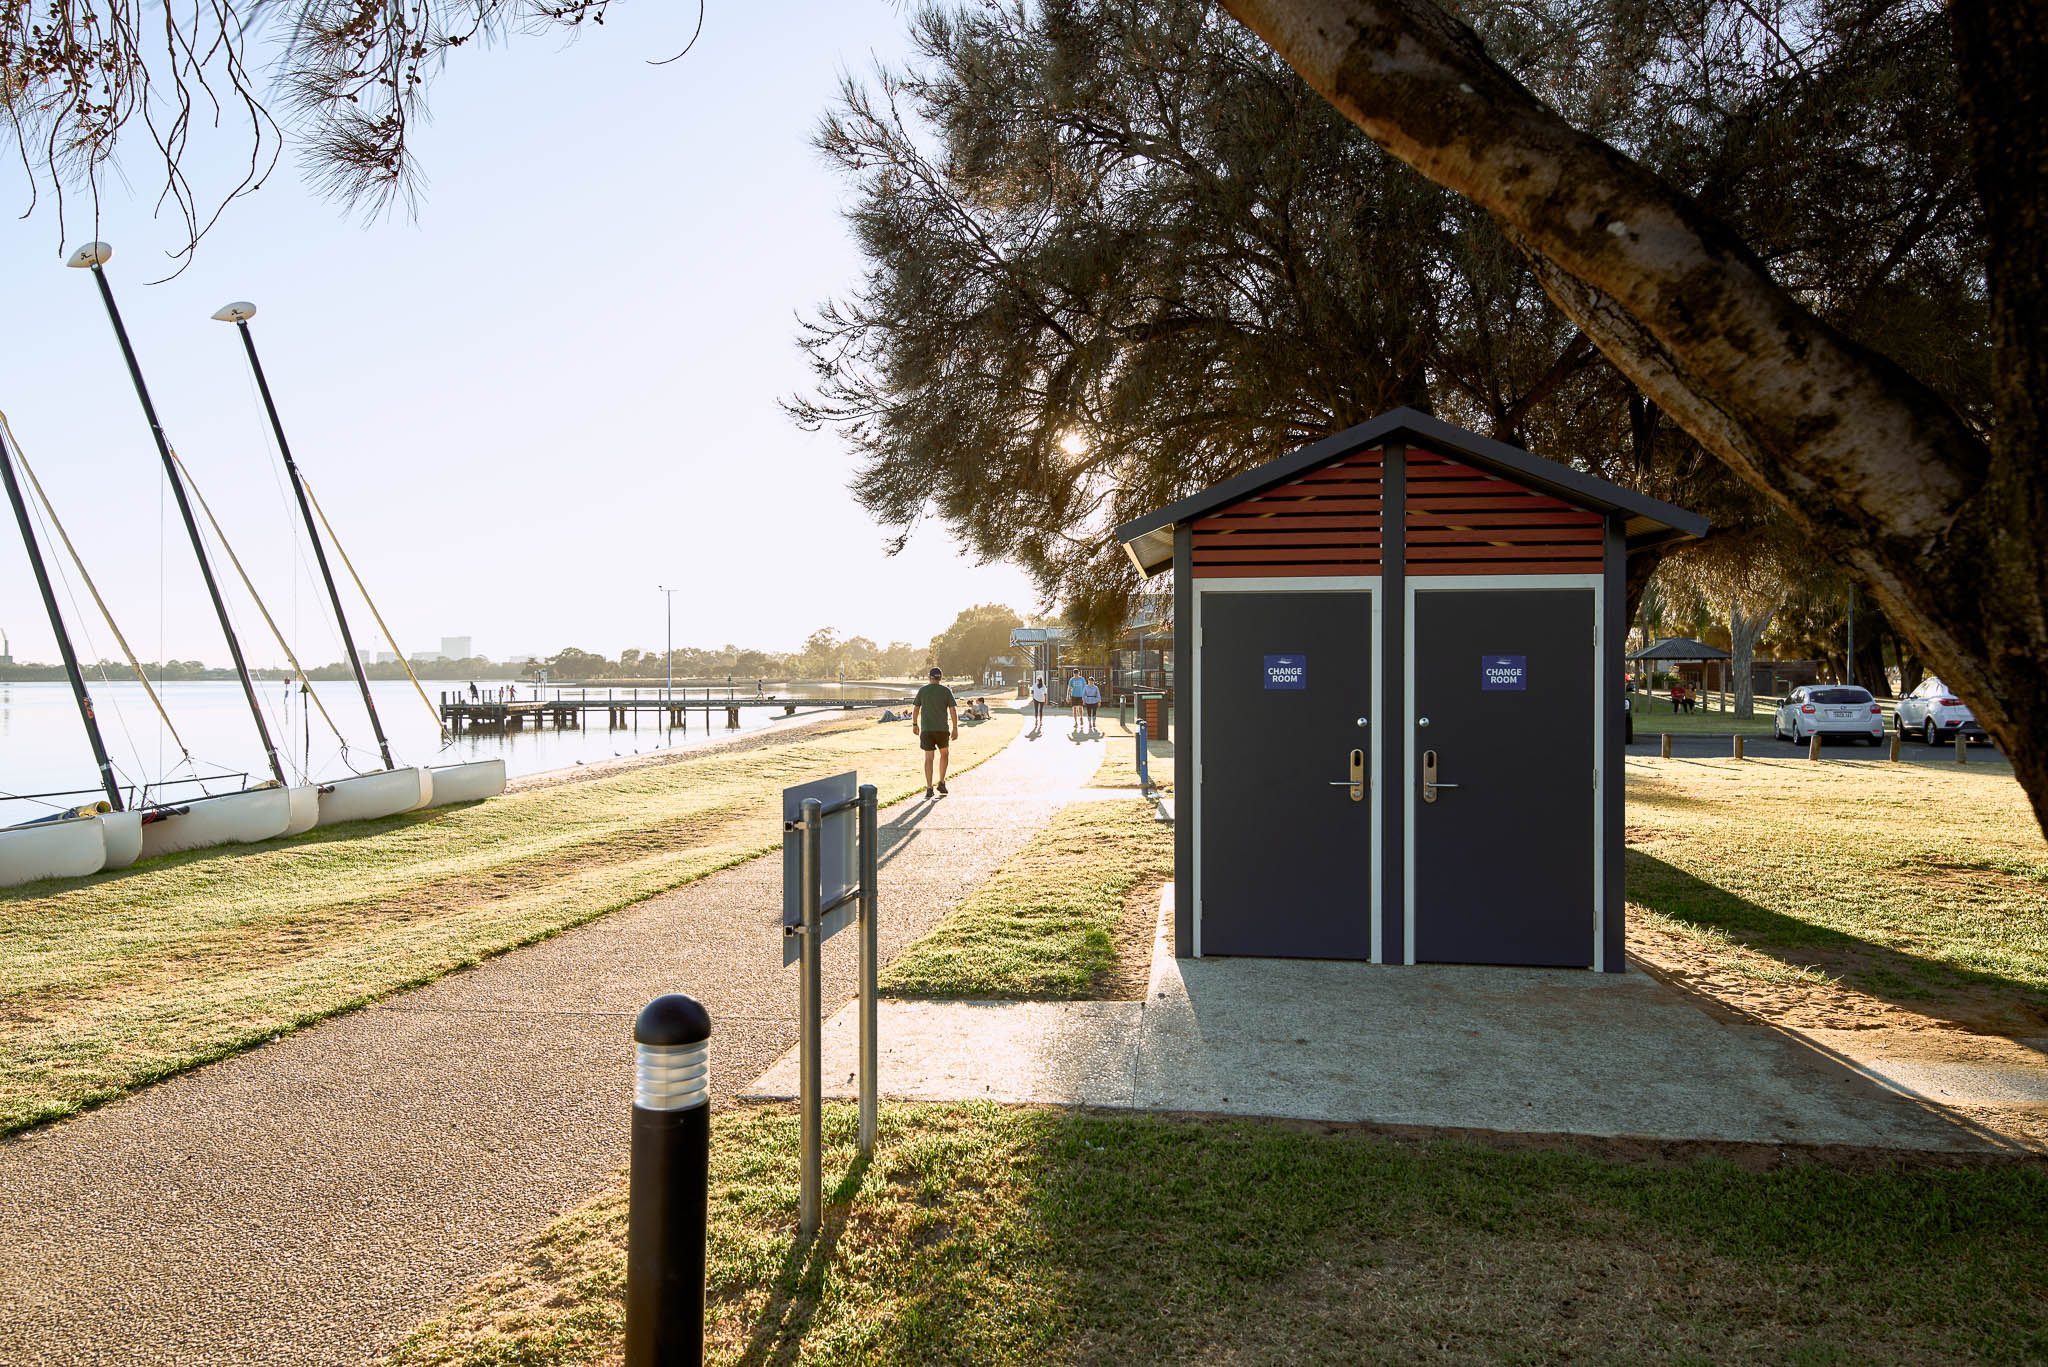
x=606, y=768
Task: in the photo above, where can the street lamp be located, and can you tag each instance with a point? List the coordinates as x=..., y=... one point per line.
x=669, y=705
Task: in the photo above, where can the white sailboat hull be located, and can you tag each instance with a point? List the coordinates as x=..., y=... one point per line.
x=367, y=796
x=69, y=848
x=230, y=819
x=305, y=810
x=123, y=832
x=467, y=782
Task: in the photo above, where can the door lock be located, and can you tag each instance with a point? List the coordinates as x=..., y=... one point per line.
x=1429, y=783
x=1356, y=783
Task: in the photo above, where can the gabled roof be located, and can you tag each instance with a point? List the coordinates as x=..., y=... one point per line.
x=1149, y=539
x=1680, y=648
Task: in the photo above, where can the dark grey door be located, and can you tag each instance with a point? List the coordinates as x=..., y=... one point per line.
x=1503, y=866
x=1286, y=858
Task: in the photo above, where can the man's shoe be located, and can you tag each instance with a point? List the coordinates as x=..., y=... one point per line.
x=942, y=787
x=927, y=790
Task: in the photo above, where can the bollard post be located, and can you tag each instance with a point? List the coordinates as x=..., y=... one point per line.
x=1813, y=746
x=870, y=964
x=1144, y=761
x=1962, y=748
x=1738, y=745
x=1664, y=750
x=810, y=1043
x=1896, y=738
x=670, y=1176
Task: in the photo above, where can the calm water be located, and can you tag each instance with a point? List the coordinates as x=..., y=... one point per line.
x=43, y=746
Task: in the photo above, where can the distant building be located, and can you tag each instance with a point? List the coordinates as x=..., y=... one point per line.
x=528, y=659
x=455, y=648
x=6, y=651
x=385, y=657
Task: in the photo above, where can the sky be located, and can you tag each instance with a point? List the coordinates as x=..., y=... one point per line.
x=550, y=392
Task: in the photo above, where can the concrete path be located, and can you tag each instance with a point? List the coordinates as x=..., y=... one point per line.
x=309, y=1201
x=1538, y=1050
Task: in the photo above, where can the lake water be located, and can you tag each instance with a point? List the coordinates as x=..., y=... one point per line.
x=43, y=747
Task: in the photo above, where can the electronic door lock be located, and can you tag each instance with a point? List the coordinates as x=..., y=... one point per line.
x=1356, y=783
x=1429, y=783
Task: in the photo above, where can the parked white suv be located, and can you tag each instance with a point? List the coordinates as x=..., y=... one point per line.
x=1934, y=714
x=1830, y=710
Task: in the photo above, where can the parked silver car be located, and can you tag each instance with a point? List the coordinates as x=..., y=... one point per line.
x=1933, y=714
x=1829, y=710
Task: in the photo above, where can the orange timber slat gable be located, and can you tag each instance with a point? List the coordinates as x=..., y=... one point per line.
x=1325, y=522
x=1465, y=521
x=1460, y=521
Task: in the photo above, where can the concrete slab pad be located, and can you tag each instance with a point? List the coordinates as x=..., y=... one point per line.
x=1547, y=1051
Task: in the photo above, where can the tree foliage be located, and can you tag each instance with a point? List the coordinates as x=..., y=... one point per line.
x=978, y=635
x=1119, y=251
x=347, y=83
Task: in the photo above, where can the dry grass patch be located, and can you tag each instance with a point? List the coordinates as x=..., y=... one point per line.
x=1120, y=759
x=1923, y=887
x=1053, y=922
x=1010, y=1236
x=113, y=981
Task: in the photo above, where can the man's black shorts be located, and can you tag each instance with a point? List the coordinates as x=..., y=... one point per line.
x=932, y=740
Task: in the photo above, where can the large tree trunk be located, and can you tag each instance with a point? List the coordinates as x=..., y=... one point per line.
x=1743, y=631
x=1871, y=463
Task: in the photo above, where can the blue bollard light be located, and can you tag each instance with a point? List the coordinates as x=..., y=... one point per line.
x=1144, y=772
x=670, y=1176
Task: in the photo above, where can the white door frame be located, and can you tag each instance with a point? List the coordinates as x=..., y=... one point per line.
x=1507, y=583
x=1193, y=730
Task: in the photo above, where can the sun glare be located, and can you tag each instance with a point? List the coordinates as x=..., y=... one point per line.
x=1074, y=444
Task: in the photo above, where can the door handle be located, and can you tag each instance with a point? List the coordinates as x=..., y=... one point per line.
x=1356, y=783
x=1429, y=783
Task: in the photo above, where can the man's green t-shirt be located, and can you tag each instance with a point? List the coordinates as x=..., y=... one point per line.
x=932, y=702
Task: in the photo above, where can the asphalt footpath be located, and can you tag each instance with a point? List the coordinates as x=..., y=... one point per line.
x=309, y=1201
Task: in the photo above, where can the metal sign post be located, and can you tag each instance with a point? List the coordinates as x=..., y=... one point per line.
x=830, y=861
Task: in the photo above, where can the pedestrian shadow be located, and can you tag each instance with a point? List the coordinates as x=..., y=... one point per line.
x=1911, y=981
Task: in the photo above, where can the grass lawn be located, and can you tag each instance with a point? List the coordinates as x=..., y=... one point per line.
x=1915, y=883
x=986, y=1235
x=1654, y=717
x=1049, y=922
x=116, y=980
x=1120, y=759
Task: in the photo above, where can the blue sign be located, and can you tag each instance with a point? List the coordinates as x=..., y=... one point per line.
x=1286, y=671
x=1503, y=673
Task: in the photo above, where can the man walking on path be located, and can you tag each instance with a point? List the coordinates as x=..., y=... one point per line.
x=938, y=724
x=1091, y=698
x=1076, y=687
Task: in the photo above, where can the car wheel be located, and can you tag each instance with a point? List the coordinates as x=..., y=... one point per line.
x=1928, y=735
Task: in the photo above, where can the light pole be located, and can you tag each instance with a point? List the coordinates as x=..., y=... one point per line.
x=668, y=704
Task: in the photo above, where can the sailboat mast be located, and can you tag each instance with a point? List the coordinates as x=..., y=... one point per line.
x=93, y=254
x=71, y=670
x=239, y=314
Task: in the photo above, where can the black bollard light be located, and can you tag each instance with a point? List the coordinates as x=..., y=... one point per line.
x=671, y=1175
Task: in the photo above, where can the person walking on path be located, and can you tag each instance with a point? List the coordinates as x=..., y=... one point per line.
x=938, y=724
x=1038, y=705
x=1076, y=687
x=1091, y=698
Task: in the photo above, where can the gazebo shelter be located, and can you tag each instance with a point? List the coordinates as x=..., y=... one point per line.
x=1676, y=650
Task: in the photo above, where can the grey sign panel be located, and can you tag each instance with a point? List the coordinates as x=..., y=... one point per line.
x=838, y=862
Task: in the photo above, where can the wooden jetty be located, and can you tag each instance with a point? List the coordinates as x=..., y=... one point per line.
x=623, y=709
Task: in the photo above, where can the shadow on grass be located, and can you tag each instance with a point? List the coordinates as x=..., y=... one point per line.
x=1885, y=972
x=1010, y=1237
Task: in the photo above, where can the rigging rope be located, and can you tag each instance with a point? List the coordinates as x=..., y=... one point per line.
x=402, y=664
x=236, y=561
x=72, y=551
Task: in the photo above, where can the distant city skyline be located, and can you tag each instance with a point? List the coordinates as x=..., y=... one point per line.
x=553, y=392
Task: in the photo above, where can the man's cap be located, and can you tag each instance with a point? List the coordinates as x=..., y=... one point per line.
x=935, y=673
